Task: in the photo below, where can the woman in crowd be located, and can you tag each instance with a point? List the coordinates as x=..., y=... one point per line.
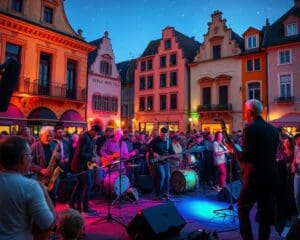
x=219, y=152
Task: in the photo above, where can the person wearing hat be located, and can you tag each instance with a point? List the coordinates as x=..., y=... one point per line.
x=84, y=152
x=157, y=160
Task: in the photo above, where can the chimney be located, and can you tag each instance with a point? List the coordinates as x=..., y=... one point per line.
x=297, y=3
x=79, y=31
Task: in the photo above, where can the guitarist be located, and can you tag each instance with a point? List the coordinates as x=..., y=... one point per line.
x=114, y=149
x=159, y=148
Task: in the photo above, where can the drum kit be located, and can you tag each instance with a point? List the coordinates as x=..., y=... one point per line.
x=185, y=178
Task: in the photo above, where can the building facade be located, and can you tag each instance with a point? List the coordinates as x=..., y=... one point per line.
x=254, y=68
x=126, y=70
x=52, y=83
x=216, y=85
x=104, y=85
x=162, y=82
x=282, y=43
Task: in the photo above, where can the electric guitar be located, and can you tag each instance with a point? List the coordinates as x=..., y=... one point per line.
x=107, y=160
x=163, y=159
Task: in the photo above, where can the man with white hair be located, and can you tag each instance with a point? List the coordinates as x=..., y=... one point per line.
x=259, y=172
x=42, y=153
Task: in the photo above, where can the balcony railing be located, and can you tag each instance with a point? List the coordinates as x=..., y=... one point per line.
x=289, y=99
x=214, y=107
x=57, y=90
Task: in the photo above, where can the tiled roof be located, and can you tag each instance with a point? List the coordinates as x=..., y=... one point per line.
x=274, y=35
x=239, y=40
x=92, y=55
x=188, y=45
x=151, y=48
x=126, y=70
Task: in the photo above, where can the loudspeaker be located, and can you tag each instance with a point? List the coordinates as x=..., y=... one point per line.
x=160, y=221
x=294, y=232
x=224, y=194
x=144, y=183
x=8, y=82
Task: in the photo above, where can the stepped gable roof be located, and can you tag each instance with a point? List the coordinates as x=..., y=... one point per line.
x=274, y=34
x=93, y=54
x=188, y=44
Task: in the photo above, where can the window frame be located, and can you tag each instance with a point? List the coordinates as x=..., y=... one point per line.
x=171, y=102
x=291, y=29
x=160, y=102
x=284, y=51
x=291, y=83
x=254, y=90
x=173, y=73
x=252, y=41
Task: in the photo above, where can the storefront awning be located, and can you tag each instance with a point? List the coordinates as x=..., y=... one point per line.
x=287, y=120
x=41, y=114
x=72, y=118
x=12, y=116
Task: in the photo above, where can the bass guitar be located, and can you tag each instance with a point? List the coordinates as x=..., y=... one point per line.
x=112, y=158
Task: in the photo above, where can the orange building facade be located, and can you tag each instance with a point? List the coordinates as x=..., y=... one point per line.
x=162, y=83
x=254, y=69
x=53, y=80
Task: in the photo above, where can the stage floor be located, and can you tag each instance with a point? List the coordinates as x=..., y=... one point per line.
x=196, y=207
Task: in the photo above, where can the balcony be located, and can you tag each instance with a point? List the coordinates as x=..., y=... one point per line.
x=288, y=100
x=214, y=107
x=53, y=90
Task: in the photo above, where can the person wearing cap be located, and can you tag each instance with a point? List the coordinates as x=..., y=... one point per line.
x=84, y=152
x=157, y=160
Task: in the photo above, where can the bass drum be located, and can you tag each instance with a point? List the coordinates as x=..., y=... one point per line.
x=184, y=180
x=115, y=180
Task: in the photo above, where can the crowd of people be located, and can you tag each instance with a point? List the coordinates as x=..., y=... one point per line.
x=34, y=167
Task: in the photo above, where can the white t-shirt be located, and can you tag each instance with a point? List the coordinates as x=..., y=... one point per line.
x=22, y=202
x=217, y=147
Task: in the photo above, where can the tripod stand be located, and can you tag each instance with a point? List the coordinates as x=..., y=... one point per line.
x=109, y=217
x=229, y=211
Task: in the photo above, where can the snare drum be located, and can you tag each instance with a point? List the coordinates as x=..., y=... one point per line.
x=115, y=180
x=183, y=180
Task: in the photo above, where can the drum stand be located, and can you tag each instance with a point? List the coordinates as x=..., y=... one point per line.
x=109, y=217
x=229, y=211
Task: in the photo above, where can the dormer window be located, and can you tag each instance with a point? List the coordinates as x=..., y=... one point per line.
x=252, y=42
x=291, y=29
x=48, y=15
x=17, y=5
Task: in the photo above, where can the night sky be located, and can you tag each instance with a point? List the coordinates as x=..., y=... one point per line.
x=132, y=24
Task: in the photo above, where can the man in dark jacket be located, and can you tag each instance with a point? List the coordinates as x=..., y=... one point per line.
x=82, y=155
x=259, y=172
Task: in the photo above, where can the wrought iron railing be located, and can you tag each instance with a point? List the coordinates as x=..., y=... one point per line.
x=215, y=107
x=289, y=99
x=57, y=90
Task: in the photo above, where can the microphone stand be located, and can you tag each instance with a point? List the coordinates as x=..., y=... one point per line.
x=109, y=217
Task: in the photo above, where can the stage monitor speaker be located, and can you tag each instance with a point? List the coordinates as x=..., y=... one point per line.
x=224, y=194
x=10, y=75
x=161, y=221
x=294, y=231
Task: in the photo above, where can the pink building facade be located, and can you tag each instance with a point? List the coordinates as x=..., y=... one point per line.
x=162, y=83
x=104, y=85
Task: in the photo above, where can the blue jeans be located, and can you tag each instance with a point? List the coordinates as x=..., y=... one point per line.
x=162, y=178
x=297, y=191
